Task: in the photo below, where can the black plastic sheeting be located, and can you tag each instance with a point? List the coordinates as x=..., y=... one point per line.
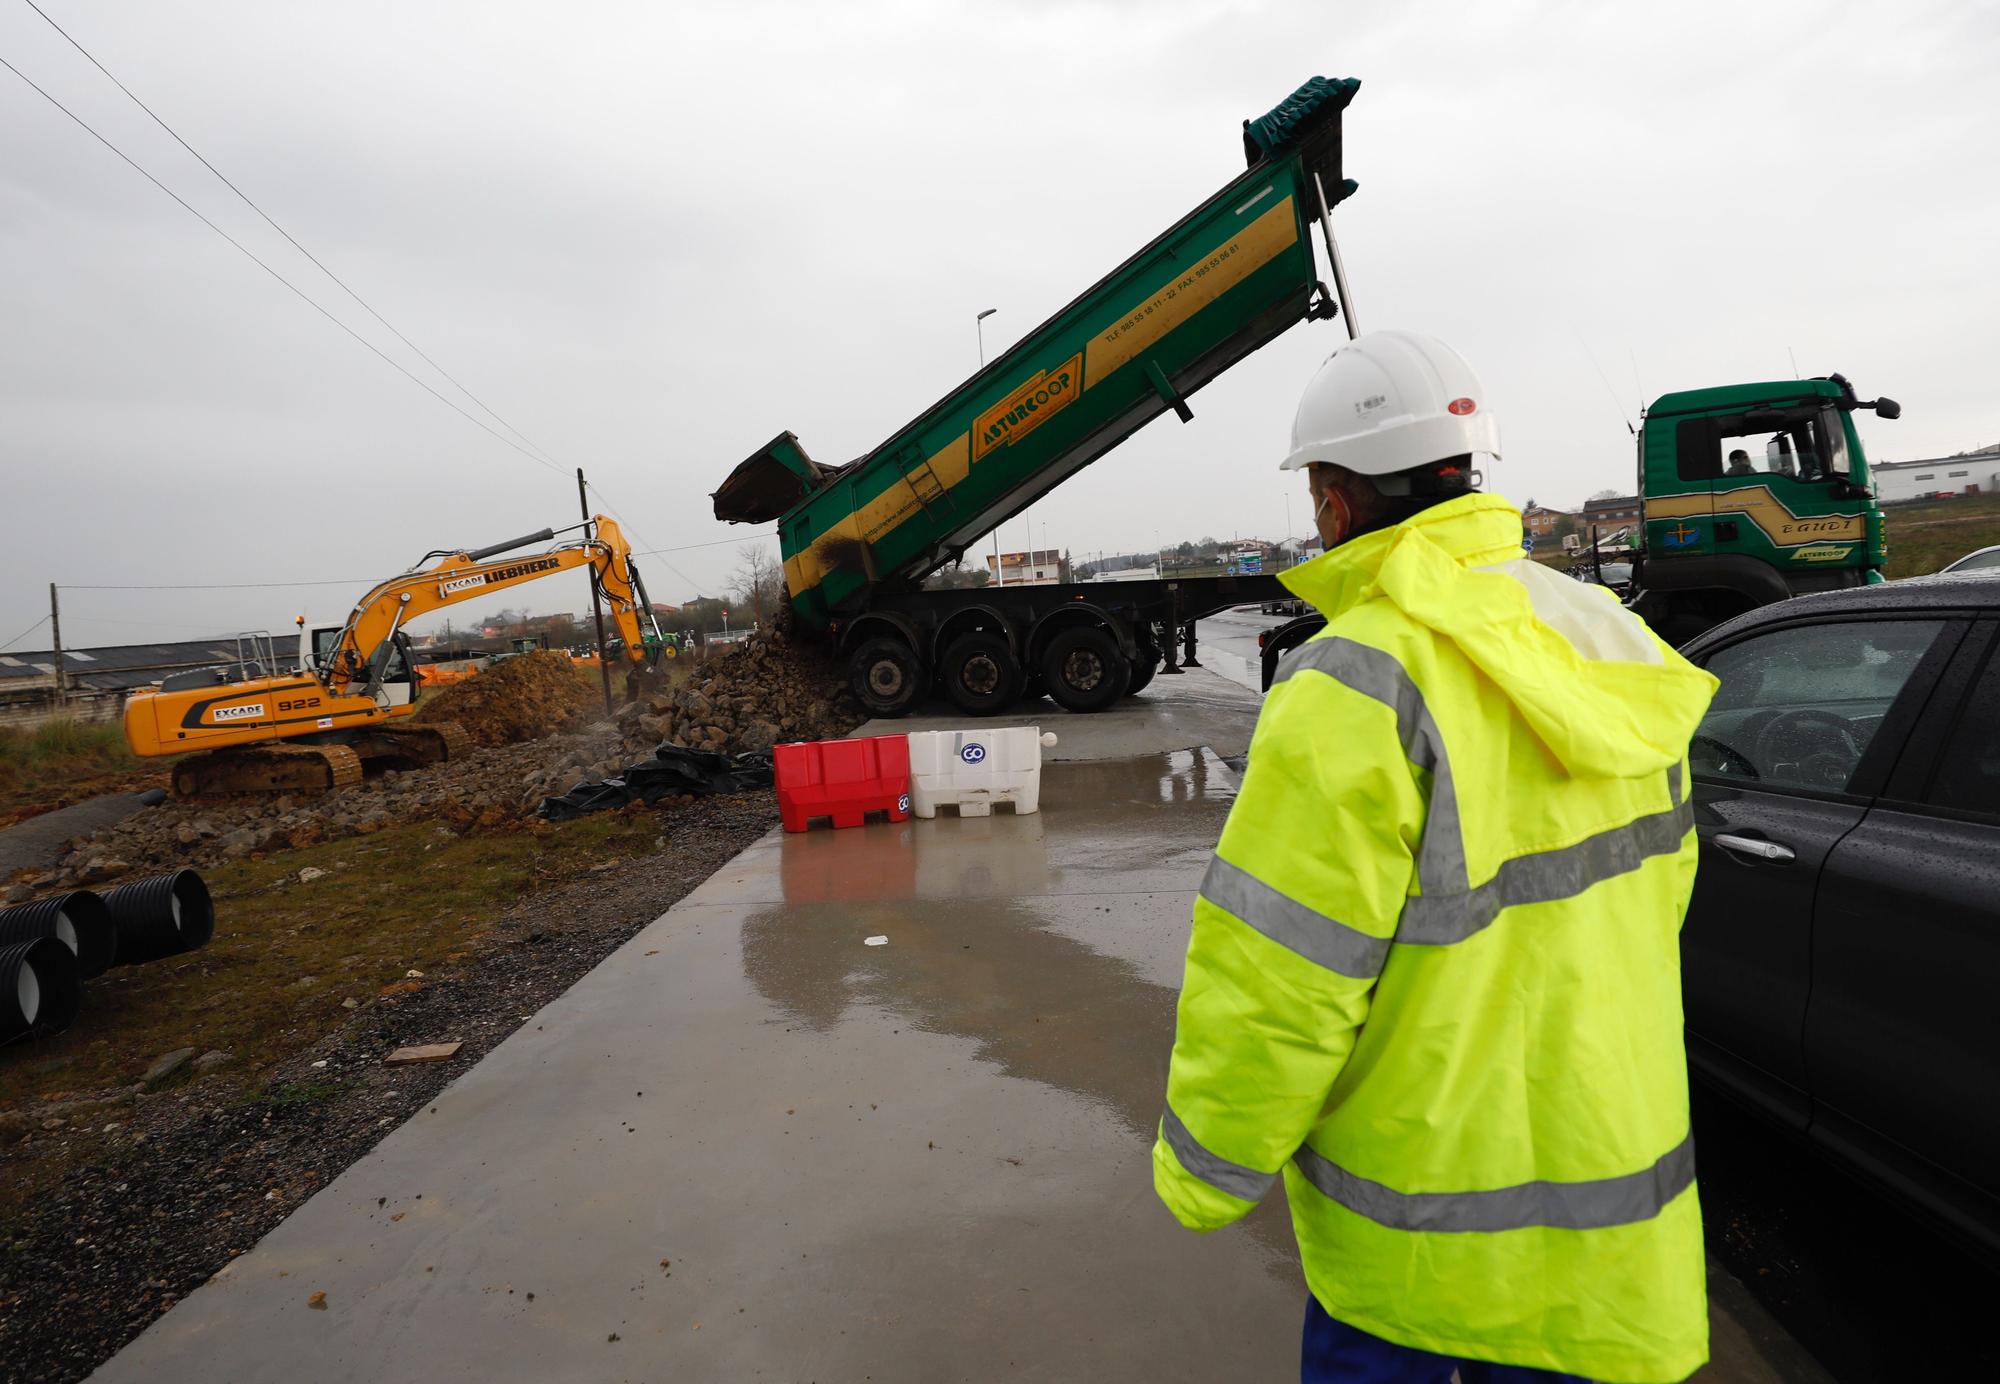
x=671, y=771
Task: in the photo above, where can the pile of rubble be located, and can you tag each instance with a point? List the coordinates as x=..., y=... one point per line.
x=523, y=698
x=771, y=689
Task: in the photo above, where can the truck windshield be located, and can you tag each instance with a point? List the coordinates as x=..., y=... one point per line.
x=1805, y=444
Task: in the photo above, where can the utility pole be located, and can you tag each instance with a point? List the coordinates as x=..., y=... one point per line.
x=55, y=631
x=596, y=601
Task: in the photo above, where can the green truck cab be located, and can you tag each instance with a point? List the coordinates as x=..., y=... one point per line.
x=1752, y=493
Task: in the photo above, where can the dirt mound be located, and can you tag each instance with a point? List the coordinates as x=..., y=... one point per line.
x=771, y=689
x=523, y=698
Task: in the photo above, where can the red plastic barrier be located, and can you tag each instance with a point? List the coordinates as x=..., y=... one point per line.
x=844, y=780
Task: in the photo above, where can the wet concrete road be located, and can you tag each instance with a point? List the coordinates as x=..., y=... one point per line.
x=920, y=1161
x=750, y=1146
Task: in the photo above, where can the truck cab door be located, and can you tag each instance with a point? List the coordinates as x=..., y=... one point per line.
x=1680, y=465
x=1783, y=495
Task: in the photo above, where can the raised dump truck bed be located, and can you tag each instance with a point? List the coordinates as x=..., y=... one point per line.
x=858, y=540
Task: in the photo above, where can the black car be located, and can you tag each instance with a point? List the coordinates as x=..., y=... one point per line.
x=1841, y=957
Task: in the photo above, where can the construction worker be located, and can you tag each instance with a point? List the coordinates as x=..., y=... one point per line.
x=1434, y=976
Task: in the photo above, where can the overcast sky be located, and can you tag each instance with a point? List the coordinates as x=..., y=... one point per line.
x=653, y=236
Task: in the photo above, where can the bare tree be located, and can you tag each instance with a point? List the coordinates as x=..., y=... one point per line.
x=957, y=577
x=758, y=583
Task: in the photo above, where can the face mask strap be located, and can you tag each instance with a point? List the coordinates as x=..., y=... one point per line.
x=1343, y=515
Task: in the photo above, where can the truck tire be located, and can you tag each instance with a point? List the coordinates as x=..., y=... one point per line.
x=887, y=676
x=980, y=674
x=1148, y=663
x=1084, y=670
x=1142, y=672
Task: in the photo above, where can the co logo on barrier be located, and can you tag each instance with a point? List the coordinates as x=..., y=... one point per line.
x=973, y=753
x=903, y=803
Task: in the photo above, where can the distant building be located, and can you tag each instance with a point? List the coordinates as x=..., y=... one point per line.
x=1976, y=473
x=1541, y=521
x=1605, y=517
x=1038, y=567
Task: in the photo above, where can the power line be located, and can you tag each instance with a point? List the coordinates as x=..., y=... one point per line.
x=25, y=633
x=214, y=586
x=287, y=234
x=303, y=296
x=712, y=543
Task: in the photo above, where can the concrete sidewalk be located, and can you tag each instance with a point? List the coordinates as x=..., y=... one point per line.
x=749, y=1145
x=36, y=842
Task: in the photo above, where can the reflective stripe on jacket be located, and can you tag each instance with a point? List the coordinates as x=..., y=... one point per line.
x=1434, y=976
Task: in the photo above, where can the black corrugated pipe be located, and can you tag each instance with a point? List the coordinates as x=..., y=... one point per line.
x=161, y=916
x=79, y=920
x=39, y=989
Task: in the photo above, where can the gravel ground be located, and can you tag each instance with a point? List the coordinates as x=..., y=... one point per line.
x=181, y=1184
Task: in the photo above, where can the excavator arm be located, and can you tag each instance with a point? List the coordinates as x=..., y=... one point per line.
x=367, y=640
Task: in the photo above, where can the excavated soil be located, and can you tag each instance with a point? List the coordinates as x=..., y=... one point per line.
x=772, y=689
x=522, y=698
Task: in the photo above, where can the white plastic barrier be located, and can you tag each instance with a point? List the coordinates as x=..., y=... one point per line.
x=974, y=769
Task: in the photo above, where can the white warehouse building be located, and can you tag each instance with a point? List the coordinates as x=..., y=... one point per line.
x=1977, y=473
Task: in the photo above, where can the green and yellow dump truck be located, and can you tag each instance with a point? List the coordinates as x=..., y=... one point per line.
x=858, y=540
x=1752, y=493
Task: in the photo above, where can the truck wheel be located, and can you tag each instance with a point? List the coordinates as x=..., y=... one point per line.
x=1142, y=671
x=1084, y=670
x=886, y=675
x=980, y=674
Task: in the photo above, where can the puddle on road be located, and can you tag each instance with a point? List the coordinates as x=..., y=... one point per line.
x=990, y=924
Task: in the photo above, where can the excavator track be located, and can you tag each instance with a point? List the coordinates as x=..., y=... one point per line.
x=407, y=746
x=267, y=769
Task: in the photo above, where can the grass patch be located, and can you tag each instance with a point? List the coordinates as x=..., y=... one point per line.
x=1926, y=534
x=65, y=760
x=285, y=954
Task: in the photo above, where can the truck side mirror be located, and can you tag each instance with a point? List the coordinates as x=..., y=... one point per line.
x=1885, y=407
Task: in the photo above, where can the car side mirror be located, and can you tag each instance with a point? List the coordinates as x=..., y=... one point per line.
x=1886, y=407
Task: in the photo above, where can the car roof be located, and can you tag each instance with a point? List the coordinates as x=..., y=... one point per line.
x=1975, y=590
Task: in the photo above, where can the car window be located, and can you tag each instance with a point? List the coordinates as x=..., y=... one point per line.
x=1798, y=706
x=1989, y=557
x=1968, y=777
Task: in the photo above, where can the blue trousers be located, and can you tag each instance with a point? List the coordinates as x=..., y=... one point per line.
x=1336, y=1353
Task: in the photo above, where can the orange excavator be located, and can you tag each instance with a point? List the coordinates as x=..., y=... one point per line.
x=344, y=702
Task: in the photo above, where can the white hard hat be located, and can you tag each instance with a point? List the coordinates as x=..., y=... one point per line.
x=1390, y=401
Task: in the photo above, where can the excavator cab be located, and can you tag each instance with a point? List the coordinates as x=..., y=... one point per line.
x=399, y=680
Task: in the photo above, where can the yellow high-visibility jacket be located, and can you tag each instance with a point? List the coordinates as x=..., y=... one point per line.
x=1434, y=978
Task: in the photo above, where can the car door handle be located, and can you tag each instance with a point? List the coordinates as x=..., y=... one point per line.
x=1755, y=845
